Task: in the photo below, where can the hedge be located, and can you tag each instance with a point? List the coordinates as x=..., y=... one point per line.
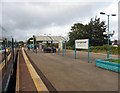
x=101, y=49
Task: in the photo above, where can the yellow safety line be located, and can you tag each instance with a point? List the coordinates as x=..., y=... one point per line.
x=17, y=75
x=36, y=79
x=3, y=63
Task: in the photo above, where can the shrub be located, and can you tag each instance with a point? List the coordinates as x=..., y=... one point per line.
x=113, y=50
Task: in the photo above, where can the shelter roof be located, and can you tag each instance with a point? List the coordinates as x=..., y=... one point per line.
x=50, y=38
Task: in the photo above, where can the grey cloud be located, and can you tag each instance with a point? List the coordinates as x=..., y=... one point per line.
x=25, y=16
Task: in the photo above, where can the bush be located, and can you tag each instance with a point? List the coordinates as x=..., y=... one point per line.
x=103, y=49
x=100, y=49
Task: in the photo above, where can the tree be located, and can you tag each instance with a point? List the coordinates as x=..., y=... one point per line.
x=93, y=31
x=77, y=32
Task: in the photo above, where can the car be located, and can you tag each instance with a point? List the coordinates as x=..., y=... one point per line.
x=53, y=50
x=49, y=50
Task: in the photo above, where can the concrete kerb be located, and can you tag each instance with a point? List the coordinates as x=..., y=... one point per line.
x=107, y=65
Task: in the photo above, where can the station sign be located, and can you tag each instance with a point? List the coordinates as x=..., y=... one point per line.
x=81, y=44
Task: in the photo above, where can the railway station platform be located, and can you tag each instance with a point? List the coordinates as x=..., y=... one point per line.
x=27, y=79
x=64, y=73
x=55, y=73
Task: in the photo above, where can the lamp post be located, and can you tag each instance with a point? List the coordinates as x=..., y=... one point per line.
x=33, y=42
x=5, y=52
x=108, y=48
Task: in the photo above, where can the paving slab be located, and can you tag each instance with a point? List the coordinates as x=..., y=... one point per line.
x=25, y=81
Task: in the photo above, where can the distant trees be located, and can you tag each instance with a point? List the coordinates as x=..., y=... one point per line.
x=92, y=31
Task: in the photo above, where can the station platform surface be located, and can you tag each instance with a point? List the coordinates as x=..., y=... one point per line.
x=26, y=77
x=25, y=81
x=65, y=73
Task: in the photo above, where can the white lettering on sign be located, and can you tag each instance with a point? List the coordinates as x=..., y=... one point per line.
x=81, y=44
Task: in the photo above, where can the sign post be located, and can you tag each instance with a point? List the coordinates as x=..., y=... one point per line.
x=88, y=51
x=82, y=44
x=13, y=49
x=59, y=47
x=62, y=49
x=33, y=43
x=75, y=53
x=58, y=51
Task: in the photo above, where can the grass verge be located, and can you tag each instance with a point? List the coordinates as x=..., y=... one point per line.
x=113, y=60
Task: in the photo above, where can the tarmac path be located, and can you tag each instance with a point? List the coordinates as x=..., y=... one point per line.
x=68, y=74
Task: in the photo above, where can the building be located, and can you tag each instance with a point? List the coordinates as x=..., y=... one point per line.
x=44, y=41
x=1, y=41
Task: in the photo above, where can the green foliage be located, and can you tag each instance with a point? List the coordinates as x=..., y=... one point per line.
x=70, y=48
x=100, y=49
x=103, y=49
x=114, y=60
x=93, y=31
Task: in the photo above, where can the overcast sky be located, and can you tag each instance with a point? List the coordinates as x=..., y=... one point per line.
x=22, y=19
